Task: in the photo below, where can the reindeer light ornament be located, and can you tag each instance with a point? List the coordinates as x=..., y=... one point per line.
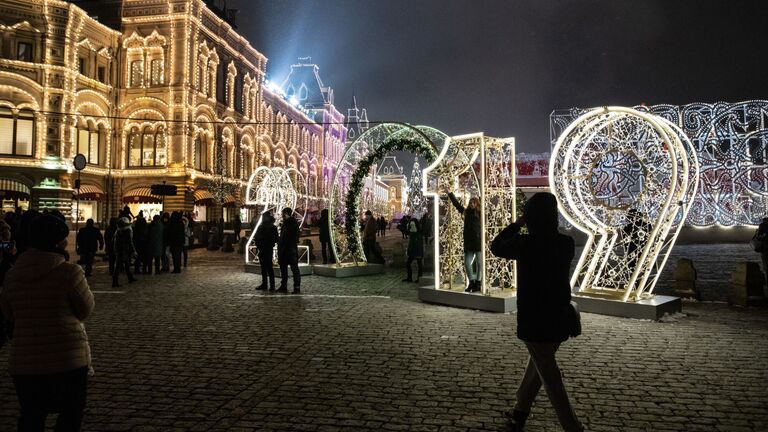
x=626, y=179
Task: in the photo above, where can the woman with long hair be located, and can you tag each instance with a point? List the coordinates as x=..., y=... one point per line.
x=473, y=253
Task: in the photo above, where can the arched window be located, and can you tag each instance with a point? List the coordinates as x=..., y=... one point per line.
x=137, y=73
x=90, y=143
x=148, y=148
x=17, y=132
x=201, y=153
x=156, y=72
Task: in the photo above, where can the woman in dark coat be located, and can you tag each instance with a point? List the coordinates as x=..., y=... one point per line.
x=140, y=243
x=545, y=318
x=472, y=243
x=155, y=237
x=325, y=236
x=415, y=249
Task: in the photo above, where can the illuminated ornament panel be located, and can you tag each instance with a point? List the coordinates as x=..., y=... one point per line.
x=472, y=166
x=730, y=141
x=627, y=179
x=272, y=190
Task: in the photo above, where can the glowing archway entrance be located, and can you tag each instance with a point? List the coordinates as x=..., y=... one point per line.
x=370, y=147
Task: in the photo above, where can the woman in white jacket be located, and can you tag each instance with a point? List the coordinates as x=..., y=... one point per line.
x=45, y=299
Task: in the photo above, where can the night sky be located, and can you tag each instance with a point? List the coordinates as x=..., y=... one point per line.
x=501, y=66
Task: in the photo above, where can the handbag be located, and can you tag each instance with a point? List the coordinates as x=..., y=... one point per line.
x=574, y=328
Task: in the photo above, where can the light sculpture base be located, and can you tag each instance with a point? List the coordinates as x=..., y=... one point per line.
x=348, y=270
x=653, y=308
x=460, y=299
x=255, y=268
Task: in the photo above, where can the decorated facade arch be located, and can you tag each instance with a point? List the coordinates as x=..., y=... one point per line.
x=370, y=147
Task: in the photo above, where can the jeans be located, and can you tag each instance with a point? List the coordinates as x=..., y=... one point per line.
x=477, y=257
x=327, y=244
x=39, y=395
x=284, y=275
x=542, y=369
x=419, y=264
x=267, y=270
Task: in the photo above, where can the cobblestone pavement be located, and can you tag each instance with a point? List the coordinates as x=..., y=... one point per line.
x=203, y=351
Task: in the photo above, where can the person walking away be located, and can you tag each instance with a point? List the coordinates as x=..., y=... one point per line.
x=325, y=237
x=140, y=243
x=760, y=244
x=155, y=235
x=403, y=226
x=176, y=240
x=426, y=228
x=124, y=250
x=187, y=240
x=45, y=299
x=266, y=237
x=237, y=225
x=415, y=249
x=88, y=241
x=288, y=251
x=545, y=317
x=109, y=250
x=166, y=256
x=473, y=253
x=372, y=254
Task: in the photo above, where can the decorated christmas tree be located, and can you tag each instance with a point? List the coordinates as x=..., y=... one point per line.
x=415, y=203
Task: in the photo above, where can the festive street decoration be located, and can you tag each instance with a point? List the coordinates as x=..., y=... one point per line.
x=378, y=142
x=731, y=143
x=273, y=189
x=627, y=179
x=415, y=203
x=480, y=166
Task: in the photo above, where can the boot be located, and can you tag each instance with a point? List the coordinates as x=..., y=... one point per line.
x=296, y=290
x=261, y=287
x=516, y=420
x=282, y=289
x=477, y=286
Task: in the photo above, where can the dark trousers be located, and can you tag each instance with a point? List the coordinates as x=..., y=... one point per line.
x=122, y=264
x=176, y=254
x=165, y=258
x=111, y=258
x=294, y=271
x=87, y=259
x=371, y=252
x=40, y=395
x=137, y=264
x=146, y=263
x=185, y=254
x=327, y=256
x=419, y=264
x=158, y=262
x=267, y=270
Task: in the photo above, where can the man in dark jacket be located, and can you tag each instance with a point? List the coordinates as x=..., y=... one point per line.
x=140, y=244
x=155, y=236
x=288, y=252
x=176, y=240
x=372, y=254
x=237, y=225
x=545, y=318
x=124, y=250
x=325, y=237
x=89, y=240
x=266, y=238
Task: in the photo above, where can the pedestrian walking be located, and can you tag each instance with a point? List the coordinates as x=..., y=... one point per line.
x=187, y=239
x=166, y=256
x=156, y=233
x=88, y=241
x=124, y=250
x=176, y=240
x=325, y=237
x=237, y=225
x=45, y=299
x=140, y=243
x=415, y=250
x=473, y=254
x=109, y=250
x=266, y=237
x=545, y=317
x=288, y=251
x=370, y=250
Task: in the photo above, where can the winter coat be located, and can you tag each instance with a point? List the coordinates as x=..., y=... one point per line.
x=89, y=240
x=140, y=234
x=123, y=243
x=415, y=240
x=543, y=282
x=266, y=237
x=472, y=231
x=175, y=233
x=46, y=299
x=369, y=233
x=287, y=246
x=155, y=239
x=325, y=229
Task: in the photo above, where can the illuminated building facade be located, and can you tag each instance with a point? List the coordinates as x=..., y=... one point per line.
x=175, y=96
x=391, y=173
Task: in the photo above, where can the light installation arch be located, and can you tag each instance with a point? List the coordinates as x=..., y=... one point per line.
x=627, y=179
x=273, y=189
x=369, y=147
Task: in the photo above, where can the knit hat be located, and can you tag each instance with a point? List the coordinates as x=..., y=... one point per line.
x=46, y=231
x=123, y=221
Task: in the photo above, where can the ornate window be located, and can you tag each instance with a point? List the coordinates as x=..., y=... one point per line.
x=147, y=146
x=24, y=51
x=137, y=73
x=201, y=153
x=230, y=90
x=90, y=143
x=156, y=72
x=17, y=132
